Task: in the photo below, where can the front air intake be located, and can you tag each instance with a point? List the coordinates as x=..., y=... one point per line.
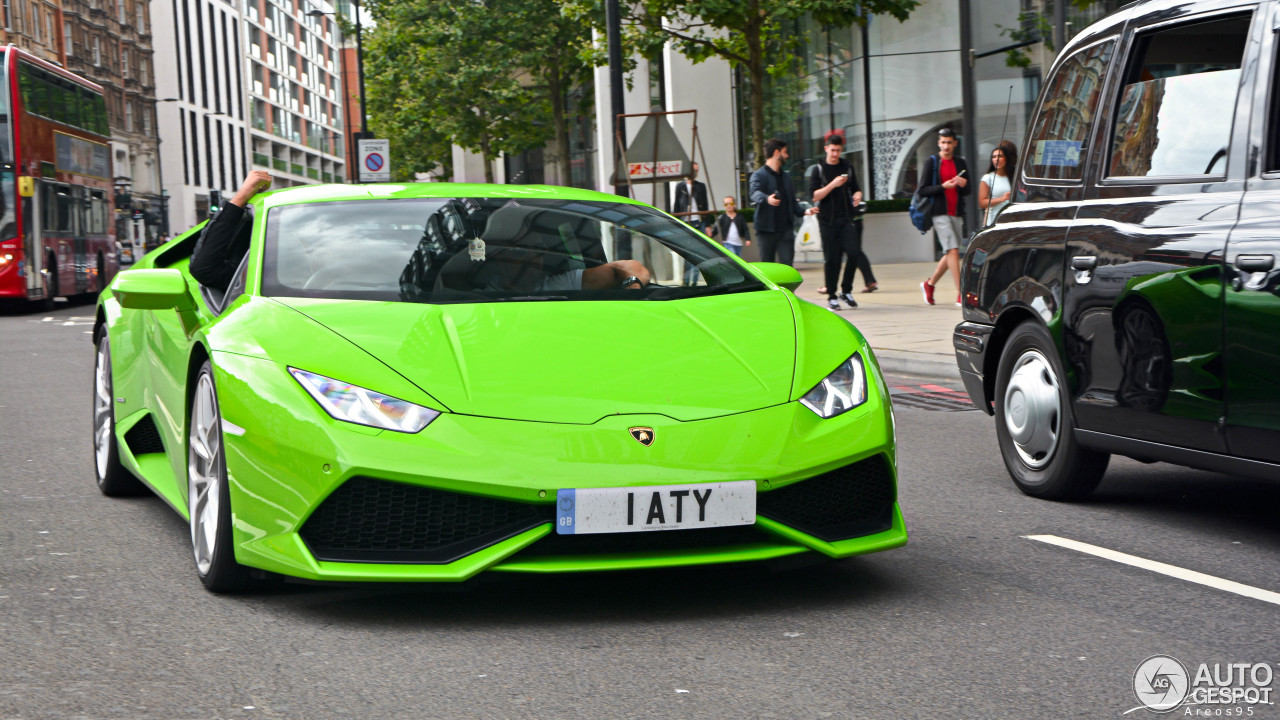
x=848, y=502
x=368, y=520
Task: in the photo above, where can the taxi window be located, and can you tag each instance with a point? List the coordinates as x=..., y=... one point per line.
x=1057, y=145
x=1178, y=99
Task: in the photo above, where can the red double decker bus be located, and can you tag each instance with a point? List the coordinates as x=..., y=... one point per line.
x=57, y=237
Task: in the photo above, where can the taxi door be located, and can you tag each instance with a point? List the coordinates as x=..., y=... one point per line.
x=1252, y=316
x=1144, y=269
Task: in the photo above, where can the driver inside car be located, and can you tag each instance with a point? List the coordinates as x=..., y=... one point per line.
x=524, y=259
x=225, y=240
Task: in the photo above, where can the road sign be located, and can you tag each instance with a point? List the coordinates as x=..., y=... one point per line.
x=375, y=161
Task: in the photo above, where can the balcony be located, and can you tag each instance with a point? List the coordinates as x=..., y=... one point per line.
x=281, y=165
x=313, y=173
x=298, y=169
x=261, y=159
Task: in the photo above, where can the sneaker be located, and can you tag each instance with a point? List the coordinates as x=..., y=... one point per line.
x=833, y=305
x=822, y=290
x=848, y=299
x=958, y=301
x=927, y=289
x=871, y=288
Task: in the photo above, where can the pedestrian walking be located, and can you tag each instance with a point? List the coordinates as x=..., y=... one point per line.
x=834, y=187
x=995, y=189
x=776, y=205
x=731, y=227
x=691, y=197
x=944, y=179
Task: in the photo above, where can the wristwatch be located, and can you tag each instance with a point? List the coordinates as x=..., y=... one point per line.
x=631, y=280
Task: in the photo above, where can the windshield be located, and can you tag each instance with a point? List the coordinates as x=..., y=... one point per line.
x=442, y=250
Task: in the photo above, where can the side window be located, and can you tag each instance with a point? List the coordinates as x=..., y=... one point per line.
x=1178, y=100
x=1057, y=145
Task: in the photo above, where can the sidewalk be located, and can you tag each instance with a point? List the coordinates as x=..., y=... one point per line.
x=909, y=337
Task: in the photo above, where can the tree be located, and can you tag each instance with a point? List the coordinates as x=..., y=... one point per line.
x=741, y=32
x=488, y=75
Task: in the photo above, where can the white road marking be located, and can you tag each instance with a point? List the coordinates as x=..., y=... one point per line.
x=1163, y=568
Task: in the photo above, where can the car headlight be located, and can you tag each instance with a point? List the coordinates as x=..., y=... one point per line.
x=354, y=404
x=844, y=389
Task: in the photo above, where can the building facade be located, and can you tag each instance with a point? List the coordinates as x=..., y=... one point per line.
x=253, y=86
x=110, y=42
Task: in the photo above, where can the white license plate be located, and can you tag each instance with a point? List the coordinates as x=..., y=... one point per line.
x=657, y=507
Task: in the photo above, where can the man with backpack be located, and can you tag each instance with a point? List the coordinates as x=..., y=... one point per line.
x=943, y=179
x=834, y=188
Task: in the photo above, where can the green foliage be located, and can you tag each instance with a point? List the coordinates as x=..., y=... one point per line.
x=889, y=206
x=1032, y=26
x=747, y=33
x=488, y=75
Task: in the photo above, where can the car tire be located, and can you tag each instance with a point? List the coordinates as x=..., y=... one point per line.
x=114, y=479
x=1034, y=422
x=208, y=498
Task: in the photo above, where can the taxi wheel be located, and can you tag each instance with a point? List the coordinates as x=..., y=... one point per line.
x=208, y=499
x=1034, y=423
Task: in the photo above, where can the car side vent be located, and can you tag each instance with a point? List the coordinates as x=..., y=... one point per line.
x=369, y=520
x=847, y=502
x=143, y=438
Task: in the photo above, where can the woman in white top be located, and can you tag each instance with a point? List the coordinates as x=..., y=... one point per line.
x=995, y=189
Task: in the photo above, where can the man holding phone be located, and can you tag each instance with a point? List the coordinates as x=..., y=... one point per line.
x=834, y=188
x=945, y=176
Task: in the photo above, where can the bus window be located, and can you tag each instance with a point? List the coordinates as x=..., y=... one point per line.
x=47, y=204
x=79, y=211
x=97, y=213
x=63, y=195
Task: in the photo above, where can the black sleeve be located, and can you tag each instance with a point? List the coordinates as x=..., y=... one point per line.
x=853, y=180
x=815, y=179
x=926, y=177
x=222, y=244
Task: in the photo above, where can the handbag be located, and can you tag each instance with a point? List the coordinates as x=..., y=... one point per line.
x=921, y=209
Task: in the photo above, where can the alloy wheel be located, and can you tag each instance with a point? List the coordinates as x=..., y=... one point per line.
x=204, y=473
x=103, y=420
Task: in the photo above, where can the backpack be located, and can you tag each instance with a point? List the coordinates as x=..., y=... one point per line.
x=922, y=205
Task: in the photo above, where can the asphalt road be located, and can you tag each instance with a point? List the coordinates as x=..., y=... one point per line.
x=101, y=615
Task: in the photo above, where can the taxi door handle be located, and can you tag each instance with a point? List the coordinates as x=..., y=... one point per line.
x=1084, y=262
x=1255, y=263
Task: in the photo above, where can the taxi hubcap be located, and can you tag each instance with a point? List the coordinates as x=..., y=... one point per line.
x=1033, y=409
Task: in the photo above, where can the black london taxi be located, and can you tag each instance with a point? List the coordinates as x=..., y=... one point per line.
x=1128, y=301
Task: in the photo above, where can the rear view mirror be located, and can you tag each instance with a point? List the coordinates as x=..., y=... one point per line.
x=780, y=275
x=152, y=290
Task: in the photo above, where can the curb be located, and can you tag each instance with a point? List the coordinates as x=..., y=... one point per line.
x=905, y=362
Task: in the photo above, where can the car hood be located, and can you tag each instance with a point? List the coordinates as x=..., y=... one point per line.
x=579, y=361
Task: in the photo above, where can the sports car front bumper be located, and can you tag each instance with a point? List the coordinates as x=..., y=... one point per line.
x=320, y=499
